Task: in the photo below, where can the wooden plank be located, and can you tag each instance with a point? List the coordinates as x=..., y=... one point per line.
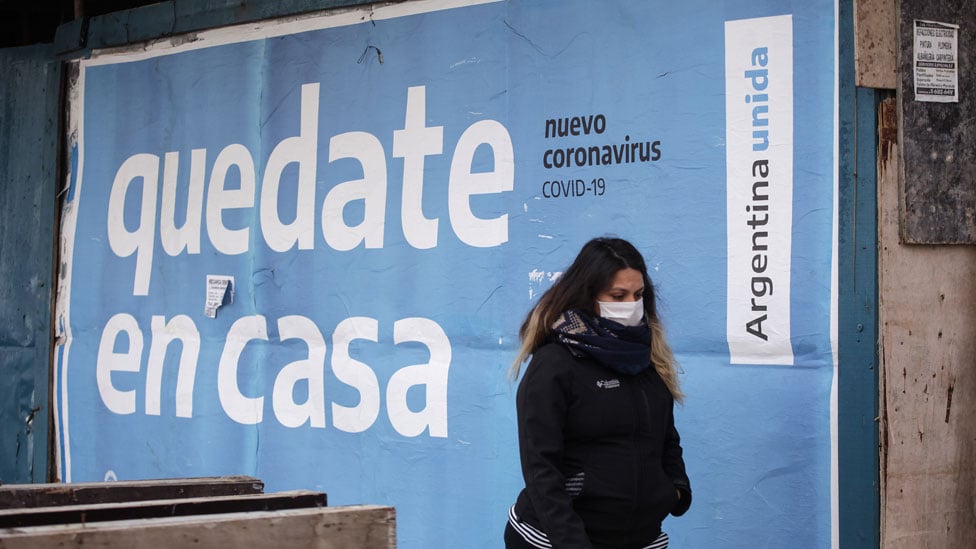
x=360, y=527
x=48, y=495
x=66, y=514
x=875, y=44
x=929, y=383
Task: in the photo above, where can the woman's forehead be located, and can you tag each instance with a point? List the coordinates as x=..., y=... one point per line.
x=627, y=279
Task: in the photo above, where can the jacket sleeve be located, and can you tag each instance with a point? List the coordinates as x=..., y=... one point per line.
x=674, y=466
x=542, y=402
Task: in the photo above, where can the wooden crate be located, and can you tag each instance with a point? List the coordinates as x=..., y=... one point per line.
x=198, y=512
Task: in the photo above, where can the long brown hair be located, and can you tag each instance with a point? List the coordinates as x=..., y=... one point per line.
x=592, y=272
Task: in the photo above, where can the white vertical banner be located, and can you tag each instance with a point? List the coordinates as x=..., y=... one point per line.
x=759, y=172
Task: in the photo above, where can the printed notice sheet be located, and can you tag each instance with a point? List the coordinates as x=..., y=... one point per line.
x=220, y=290
x=936, y=62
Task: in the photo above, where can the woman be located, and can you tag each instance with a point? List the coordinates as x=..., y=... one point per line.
x=600, y=454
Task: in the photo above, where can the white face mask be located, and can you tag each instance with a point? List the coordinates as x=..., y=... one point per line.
x=628, y=313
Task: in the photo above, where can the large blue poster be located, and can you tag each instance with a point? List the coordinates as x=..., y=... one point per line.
x=302, y=251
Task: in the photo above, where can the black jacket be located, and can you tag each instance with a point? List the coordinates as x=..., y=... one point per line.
x=600, y=454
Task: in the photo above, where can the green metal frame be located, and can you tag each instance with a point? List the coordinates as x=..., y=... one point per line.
x=858, y=365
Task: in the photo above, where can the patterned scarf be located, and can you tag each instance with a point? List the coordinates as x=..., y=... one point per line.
x=625, y=349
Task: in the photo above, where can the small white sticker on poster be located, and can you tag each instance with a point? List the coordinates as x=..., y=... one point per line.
x=936, y=62
x=220, y=291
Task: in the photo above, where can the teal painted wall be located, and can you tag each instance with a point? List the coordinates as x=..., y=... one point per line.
x=29, y=91
x=858, y=445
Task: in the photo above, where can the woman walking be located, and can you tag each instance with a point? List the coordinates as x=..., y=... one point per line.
x=601, y=458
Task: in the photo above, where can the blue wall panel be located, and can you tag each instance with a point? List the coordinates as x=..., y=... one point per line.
x=365, y=349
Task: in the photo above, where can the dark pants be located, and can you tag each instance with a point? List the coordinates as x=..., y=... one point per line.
x=513, y=540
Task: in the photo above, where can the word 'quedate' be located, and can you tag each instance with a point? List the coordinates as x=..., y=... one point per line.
x=413, y=144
